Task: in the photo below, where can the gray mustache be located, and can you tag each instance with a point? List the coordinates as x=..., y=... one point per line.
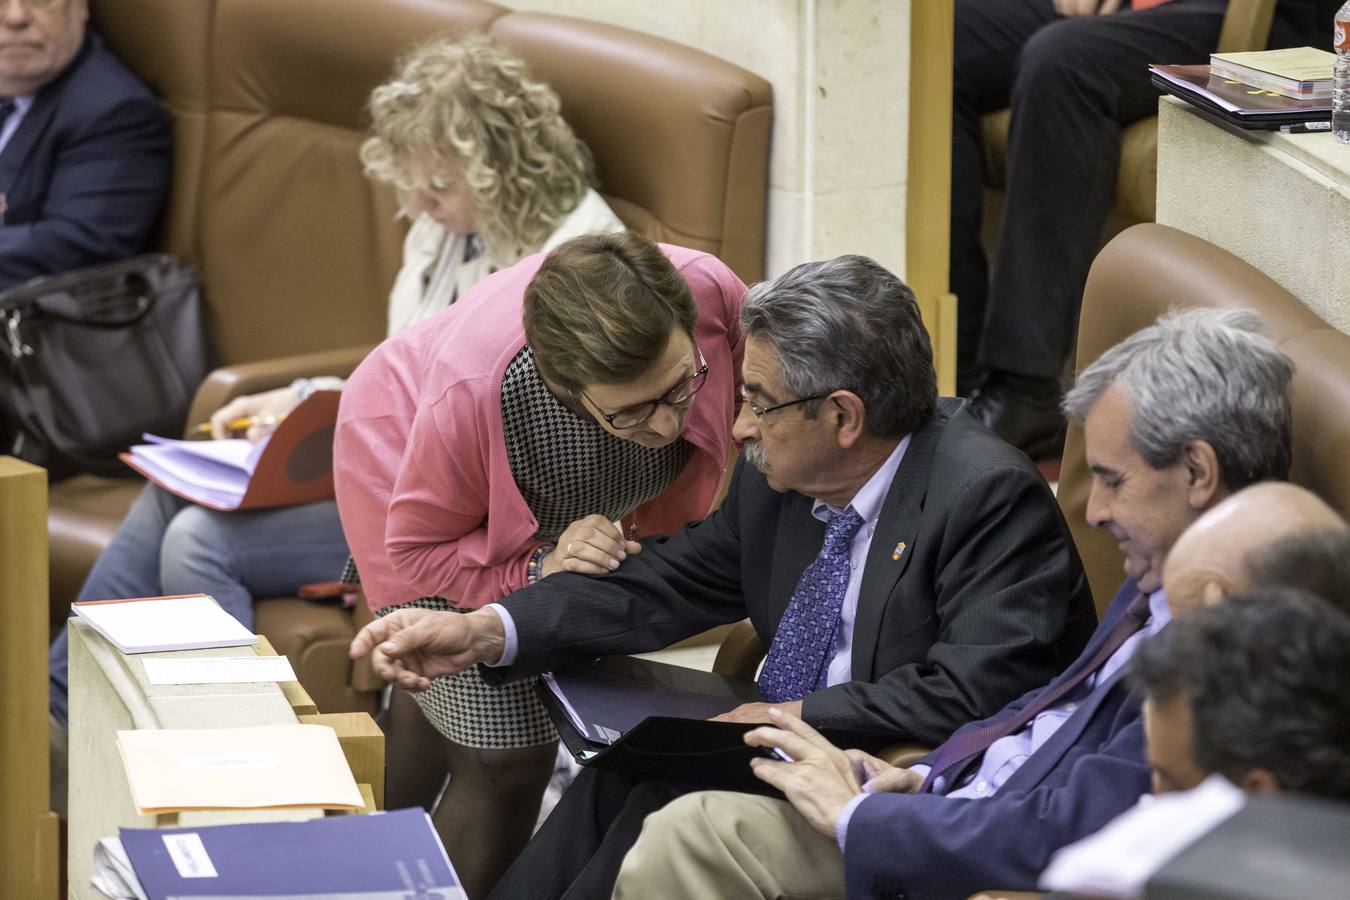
x=754, y=455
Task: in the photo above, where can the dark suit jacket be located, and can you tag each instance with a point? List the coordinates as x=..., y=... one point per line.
x=86, y=173
x=986, y=600
x=1090, y=771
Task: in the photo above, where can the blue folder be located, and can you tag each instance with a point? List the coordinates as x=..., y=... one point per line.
x=395, y=854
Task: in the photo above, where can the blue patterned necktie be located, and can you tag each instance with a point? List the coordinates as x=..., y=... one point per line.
x=802, y=648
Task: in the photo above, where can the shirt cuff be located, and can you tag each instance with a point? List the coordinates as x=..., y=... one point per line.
x=918, y=769
x=509, y=628
x=841, y=824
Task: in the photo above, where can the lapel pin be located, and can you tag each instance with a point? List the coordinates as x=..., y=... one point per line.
x=899, y=548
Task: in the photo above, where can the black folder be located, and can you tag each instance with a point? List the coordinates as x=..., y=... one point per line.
x=650, y=720
x=1236, y=104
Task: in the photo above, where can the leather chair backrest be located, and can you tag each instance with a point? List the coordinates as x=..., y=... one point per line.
x=297, y=249
x=1149, y=269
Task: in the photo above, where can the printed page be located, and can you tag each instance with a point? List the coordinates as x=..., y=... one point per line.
x=219, y=670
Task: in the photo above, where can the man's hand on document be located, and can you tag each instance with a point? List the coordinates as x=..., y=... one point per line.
x=412, y=646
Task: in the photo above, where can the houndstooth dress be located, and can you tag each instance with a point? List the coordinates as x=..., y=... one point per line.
x=565, y=467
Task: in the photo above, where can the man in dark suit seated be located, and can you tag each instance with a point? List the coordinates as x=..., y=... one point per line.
x=907, y=570
x=85, y=150
x=1176, y=418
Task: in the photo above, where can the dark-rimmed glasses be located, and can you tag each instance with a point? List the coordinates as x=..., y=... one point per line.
x=761, y=411
x=679, y=395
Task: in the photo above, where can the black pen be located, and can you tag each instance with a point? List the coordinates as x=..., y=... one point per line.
x=1305, y=127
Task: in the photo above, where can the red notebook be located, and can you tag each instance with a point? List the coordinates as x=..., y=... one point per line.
x=293, y=465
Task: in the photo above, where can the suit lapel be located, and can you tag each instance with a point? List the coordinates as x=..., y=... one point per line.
x=34, y=123
x=892, y=543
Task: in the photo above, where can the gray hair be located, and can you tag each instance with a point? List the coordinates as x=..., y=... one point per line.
x=849, y=324
x=1200, y=375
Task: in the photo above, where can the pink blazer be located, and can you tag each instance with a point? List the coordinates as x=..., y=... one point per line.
x=424, y=488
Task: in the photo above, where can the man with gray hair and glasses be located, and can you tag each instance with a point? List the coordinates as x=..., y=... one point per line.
x=1176, y=418
x=907, y=570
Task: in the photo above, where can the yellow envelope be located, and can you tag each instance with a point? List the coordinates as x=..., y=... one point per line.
x=237, y=768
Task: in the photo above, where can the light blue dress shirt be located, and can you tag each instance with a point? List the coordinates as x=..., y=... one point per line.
x=1006, y=755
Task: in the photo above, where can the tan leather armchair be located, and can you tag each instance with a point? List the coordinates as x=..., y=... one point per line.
x=297, y=250
x=1149, y=269
x=1246, y=26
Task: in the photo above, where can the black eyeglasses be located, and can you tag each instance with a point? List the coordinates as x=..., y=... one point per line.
x=762, y=411
x=679, y=395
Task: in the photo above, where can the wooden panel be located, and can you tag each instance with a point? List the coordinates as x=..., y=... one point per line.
x=28, y=829
x=928, y=185
x=362, y=743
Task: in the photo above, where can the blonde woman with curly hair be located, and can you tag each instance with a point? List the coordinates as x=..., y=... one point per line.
x=483, y=164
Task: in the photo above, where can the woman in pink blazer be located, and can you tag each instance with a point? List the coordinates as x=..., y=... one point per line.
x=503, y=440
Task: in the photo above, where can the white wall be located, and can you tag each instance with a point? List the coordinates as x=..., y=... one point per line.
x=839, y=70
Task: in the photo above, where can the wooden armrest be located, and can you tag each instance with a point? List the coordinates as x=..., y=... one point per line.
x=741, y=652
x=228, y=382
x=904, y=755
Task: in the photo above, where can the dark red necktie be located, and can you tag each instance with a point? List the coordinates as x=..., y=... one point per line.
x=964, y=746
x=1146, y=4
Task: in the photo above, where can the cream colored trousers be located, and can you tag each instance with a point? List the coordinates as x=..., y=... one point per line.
x=728, y=845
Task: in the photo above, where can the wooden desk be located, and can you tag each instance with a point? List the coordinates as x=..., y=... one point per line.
x=109, y=691
x=1279, y=201
x=28, y=829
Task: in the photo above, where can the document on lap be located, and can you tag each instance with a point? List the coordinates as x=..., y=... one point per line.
x=156, y=624
x=607, y=700
x=291, y=466
x=650, y=720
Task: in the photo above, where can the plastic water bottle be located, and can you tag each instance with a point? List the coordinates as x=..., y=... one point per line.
x=1340, y=91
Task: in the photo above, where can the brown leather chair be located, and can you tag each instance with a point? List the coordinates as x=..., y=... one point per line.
x=1246, y=26
x=1149, y=269
x=297, y=250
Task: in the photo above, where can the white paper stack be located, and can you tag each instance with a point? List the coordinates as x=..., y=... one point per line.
x=154, y=624
x=114, y=877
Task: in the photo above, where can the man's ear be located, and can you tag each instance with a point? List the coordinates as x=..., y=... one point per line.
x=847, y=415
x=1204, y=481
x=1260, y=781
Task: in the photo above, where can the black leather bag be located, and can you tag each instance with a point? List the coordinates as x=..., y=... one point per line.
x=94, y=357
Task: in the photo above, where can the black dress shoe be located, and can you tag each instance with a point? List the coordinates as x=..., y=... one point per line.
x=1023, y=411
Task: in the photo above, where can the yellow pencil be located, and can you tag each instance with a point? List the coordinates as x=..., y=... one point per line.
x=240, y=424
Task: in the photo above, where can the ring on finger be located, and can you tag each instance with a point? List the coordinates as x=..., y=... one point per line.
x=568, y=551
